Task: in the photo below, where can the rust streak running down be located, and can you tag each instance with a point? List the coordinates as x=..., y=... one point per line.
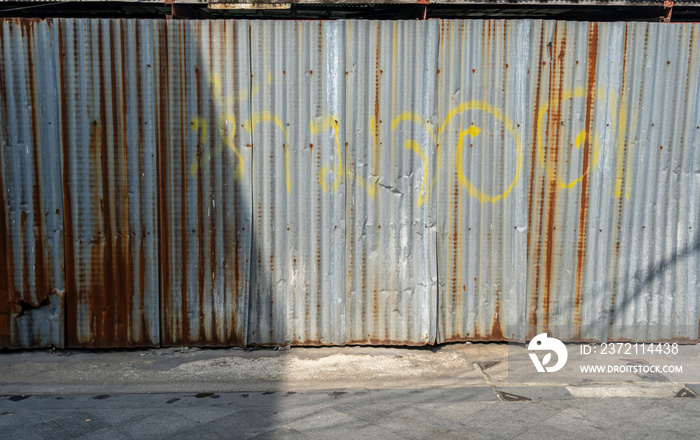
x=585, y=165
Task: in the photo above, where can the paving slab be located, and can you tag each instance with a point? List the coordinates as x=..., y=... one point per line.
x=539, y=392
x=427, y=395
x=631, y=390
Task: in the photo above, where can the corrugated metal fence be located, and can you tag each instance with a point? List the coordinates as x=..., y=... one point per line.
x=349, y=182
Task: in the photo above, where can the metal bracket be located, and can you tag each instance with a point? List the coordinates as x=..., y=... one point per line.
x=172, y=7
x=668, y=8
x=424, y=9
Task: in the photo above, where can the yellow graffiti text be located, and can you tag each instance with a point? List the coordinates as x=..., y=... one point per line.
x=472, y=132
x=267, y=117
x=582, y=138
x=413, y=145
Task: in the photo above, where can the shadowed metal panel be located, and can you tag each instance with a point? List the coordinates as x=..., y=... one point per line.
x=31, y=210
x=107, y=123
x=298, y=131
x=482, y=211
x=205, y=165
x=390, y=167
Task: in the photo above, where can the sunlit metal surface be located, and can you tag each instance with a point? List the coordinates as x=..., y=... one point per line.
x=482, y=180
x=298, y=257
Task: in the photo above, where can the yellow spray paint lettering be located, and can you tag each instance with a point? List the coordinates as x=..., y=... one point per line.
x=473, y=131
x=267, y=117
x=582, y=137
x=227, y=131
x=320, y=125
x=413, y=145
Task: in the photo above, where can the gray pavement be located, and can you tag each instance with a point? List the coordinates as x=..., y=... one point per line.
x=453, y=391
x=370, y=414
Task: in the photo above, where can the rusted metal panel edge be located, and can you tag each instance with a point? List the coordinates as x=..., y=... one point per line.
x=106, y=95
x=205, y=187
x=31, y=216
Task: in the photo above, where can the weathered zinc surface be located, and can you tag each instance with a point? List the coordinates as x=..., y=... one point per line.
x=106, y=97
x=481, y=188
x=390, y=243
x=298, y=259
x=655, y=215
x=32, y=277
x=205, y=182
x=342, y=253
x=614, y=246
x=347, y=182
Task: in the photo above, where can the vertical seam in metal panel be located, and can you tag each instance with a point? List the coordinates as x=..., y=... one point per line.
x=438, y=54
x=156, y=222
x=67, y=228
x=251, y=286
x=61, y=105
x=161, y=179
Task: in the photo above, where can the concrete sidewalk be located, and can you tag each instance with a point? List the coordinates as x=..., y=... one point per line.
x=451, y=391
x=451, y=413
x=177, y=370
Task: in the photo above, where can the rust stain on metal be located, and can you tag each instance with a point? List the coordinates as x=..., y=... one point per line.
x=551, y=156
x=533, y=293
x=167, y=320
x=586, y=164
x=496, y=330
x=69, y=245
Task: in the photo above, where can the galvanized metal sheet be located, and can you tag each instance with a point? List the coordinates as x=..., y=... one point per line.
x=350, y=163
x=348, y=182
x=614, y=246
x=107, y=83
x=297, y=127
x=573, y=136
x=389, y=172
x=655, y=222
x=585, y=250
x=205, y=180
x=482, y=185
x=32, y=280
